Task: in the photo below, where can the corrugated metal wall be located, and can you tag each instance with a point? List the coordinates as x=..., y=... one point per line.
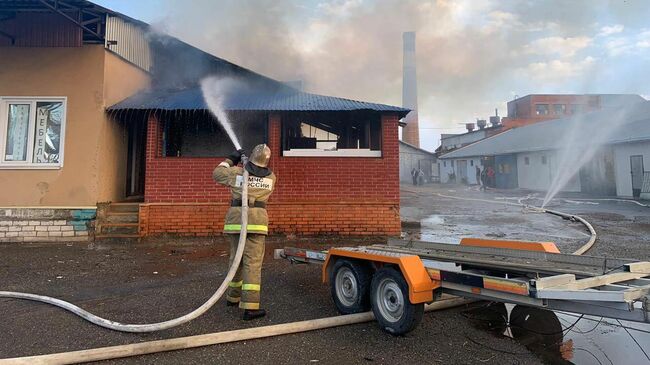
x=41, y=30
x=132, y=43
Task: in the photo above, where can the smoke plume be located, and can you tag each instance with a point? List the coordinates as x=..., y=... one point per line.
x=472, y=56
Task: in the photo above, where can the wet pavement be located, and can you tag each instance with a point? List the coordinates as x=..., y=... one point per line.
x=163, y=278
x=623, y=229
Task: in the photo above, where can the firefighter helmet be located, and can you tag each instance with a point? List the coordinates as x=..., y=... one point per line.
x=261, y=155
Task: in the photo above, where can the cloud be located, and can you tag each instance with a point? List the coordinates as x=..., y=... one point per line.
x=557, y=71
x=339, y=8
x=562, y=46
x=643, y=39
x=611, y=29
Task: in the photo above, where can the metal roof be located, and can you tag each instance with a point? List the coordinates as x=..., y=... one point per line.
x=251, y=99
x=408, y=145
x=609, y=126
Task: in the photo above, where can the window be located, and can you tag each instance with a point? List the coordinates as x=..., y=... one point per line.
x=31, y=132
x=543, y=160
x=331, y=134
x=444, y=163
x=541, y=109
x=471, y=162
x=559, y=109
x=575, y=108
x=526, y=160
x=200, y=135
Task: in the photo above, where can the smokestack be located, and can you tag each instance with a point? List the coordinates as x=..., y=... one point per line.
x=410, y=133
x=495, y=120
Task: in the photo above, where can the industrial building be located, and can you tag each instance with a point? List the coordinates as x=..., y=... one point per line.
x=615, y=142
x=531, y=109
x=411, y=157
x=124, y=104
x=535, y=108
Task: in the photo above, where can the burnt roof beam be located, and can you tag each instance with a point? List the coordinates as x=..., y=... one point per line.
x=55, y=8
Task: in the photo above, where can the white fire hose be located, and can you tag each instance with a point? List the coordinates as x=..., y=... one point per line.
x=152, y=327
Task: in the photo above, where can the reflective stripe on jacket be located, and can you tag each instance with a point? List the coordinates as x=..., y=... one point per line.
x=259, y=189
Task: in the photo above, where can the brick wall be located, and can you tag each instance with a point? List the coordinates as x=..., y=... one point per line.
x=314, y=195
x=45, y=225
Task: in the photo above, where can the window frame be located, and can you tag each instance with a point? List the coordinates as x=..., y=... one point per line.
x=4, y=121
x=339, y=152
x=548, y=109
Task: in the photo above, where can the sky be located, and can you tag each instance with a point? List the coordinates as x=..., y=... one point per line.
x=472, y=55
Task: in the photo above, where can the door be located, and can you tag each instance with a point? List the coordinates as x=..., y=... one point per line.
x=462, y=171
x=636, y=169
x=136, y=160
x=506, y=173
x=597, y=176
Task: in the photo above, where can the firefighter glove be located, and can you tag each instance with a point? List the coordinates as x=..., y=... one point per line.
x=235, y=157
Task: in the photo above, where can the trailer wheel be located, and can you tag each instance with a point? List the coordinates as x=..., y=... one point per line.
x=350, y=286
x=540, y=326
x=390, y=303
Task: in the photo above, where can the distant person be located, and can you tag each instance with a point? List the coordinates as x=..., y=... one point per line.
x=483, y=178
x=490, y=176
x=478, y=175
x=414, y=176
x=420, y=178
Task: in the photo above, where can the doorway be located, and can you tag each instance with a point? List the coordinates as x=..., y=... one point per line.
x=636, y=170
x=462, y=171
x=136, y=158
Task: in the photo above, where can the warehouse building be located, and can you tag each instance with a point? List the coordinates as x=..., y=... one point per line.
x=615, y=143
x=104, y=130
x=411, y=157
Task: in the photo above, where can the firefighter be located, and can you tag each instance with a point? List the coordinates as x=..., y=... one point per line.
x=244, y=289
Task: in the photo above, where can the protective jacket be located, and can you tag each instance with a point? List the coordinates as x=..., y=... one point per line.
x=261, y=182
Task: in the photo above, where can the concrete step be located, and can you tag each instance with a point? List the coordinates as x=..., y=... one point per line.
x=124, y=208
x=115, y=236
x=115, y=217
x=119, y=229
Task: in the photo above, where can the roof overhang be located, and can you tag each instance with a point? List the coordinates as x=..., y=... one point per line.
x=250, y=99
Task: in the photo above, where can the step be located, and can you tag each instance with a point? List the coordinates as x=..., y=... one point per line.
x=116, y=217
x=119, y=228
x=124, y=208
x=115, y=236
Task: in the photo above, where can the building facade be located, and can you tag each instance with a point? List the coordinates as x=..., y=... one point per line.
x=68, y=148
x=612, y=161
x=536, y=108
x=411, y=157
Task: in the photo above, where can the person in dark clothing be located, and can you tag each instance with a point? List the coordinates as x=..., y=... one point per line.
x=414, y=176
x=490, y=176
x=478, y=175
x=483, y=179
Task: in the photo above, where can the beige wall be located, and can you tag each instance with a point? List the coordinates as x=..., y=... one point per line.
x=78, y=74
x=121, y=80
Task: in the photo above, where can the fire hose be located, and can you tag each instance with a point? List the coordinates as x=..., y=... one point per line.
x=219, y=337
x=152, y=327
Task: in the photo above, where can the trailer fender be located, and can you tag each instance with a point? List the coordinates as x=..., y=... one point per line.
x=421, y=286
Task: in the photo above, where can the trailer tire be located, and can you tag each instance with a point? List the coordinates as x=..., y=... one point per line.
x=391, y=306
x=350, y=286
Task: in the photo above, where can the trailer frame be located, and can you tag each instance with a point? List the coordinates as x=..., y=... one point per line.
x=532, y=274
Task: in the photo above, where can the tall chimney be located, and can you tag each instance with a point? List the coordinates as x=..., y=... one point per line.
x=410, y=133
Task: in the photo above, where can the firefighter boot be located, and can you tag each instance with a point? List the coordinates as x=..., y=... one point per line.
x=253, y=314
